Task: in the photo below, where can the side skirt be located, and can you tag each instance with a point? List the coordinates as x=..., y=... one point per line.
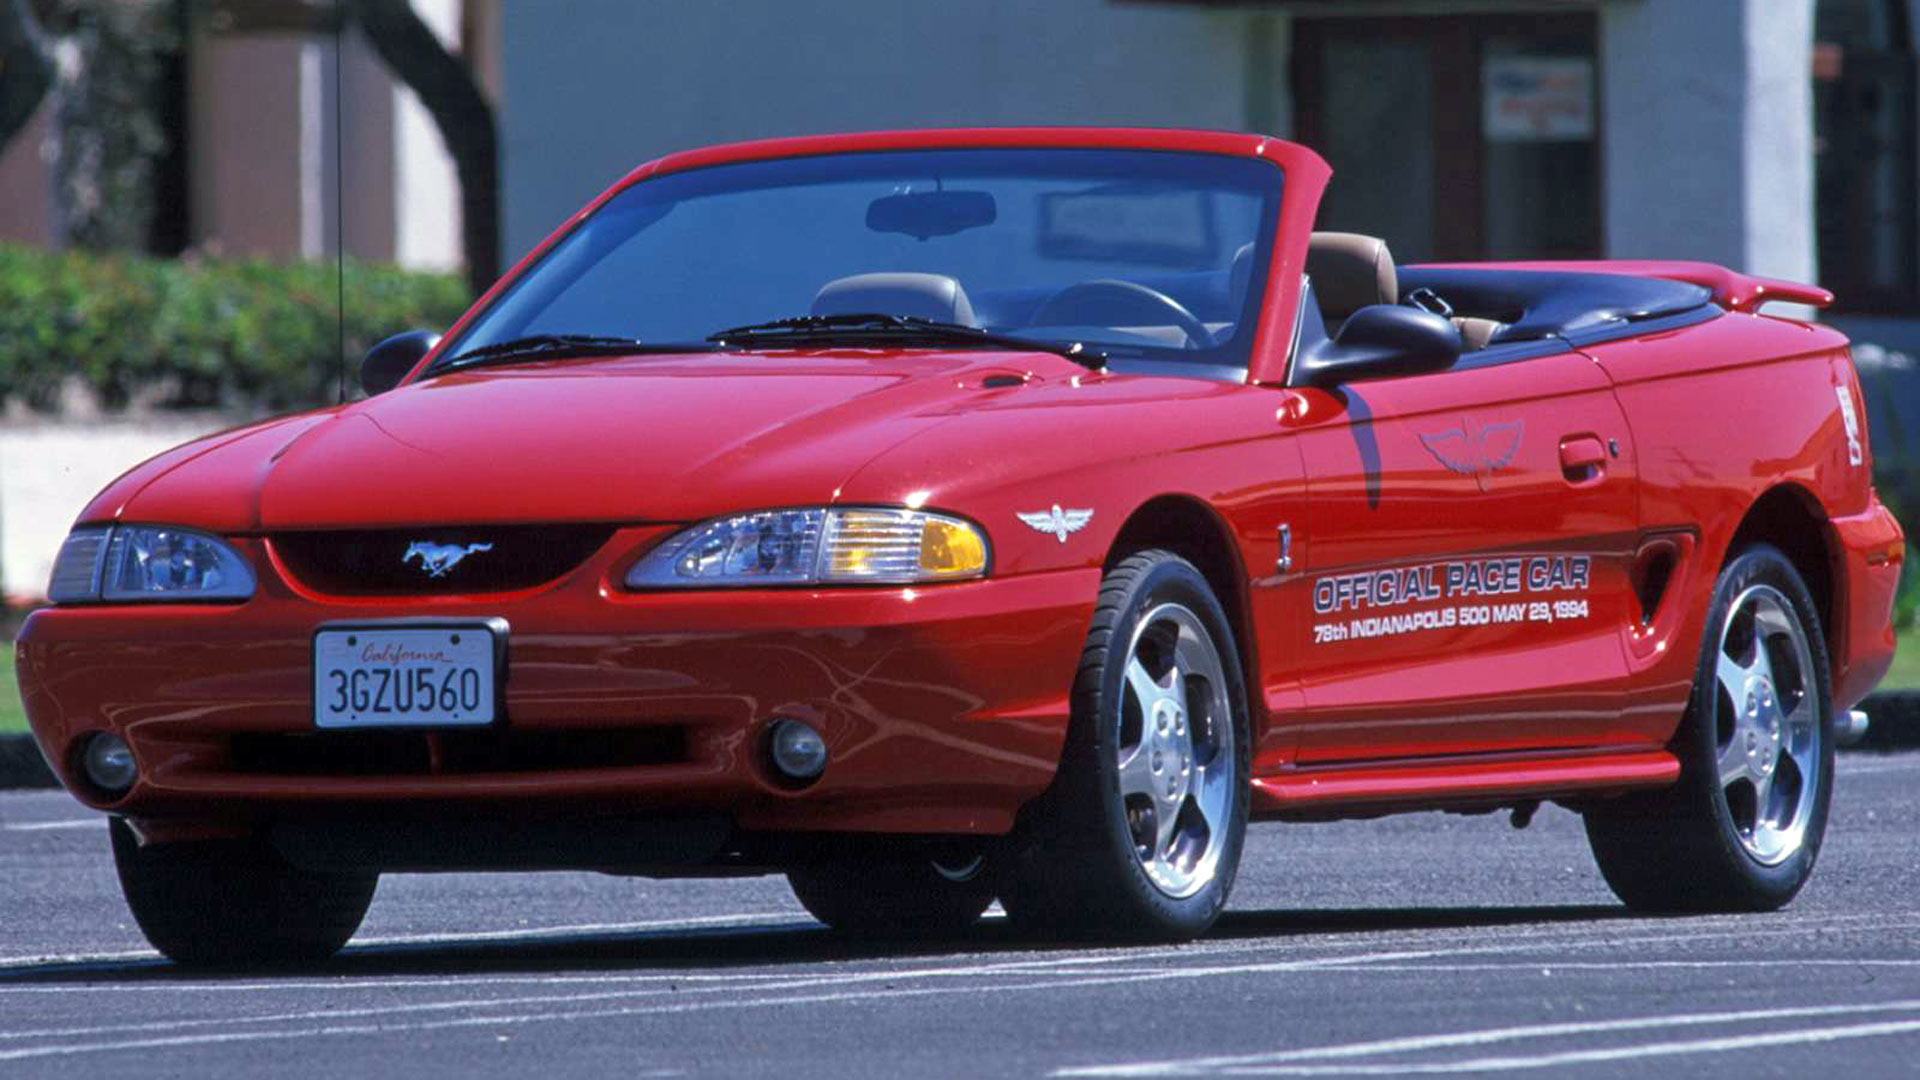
x=1460, y=784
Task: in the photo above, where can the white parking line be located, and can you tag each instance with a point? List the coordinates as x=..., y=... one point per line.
x=1414, y=1044
x=880, y=994
x=45, y=959
x=896, y=993
x=777, y=993
x=1599, y=1055
x=1910, y=763
x=1520, y=938
x=879, y=985
x=1487, y=1036
x=43, y=826
x=751, y=990
x=502, y=937
x=669, y=983
x=888, y=989
x=773, y=919
x=1553, y=966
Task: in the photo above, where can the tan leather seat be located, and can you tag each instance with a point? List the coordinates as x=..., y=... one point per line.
x=1476, y=333
x=1349, y=272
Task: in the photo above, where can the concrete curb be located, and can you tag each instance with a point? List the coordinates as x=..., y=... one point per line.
x=1894, y=715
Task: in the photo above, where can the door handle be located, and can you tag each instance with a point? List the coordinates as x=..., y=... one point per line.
x=1583, y=459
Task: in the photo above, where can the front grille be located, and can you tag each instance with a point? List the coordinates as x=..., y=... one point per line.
x=429, y=560
x=436, y=753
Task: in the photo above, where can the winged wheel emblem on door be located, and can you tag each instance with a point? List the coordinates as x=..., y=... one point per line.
x=1478, y=454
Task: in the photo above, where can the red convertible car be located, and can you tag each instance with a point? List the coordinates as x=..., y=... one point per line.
x=947, y=516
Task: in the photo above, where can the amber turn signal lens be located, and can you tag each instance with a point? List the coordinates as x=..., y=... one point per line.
x=951, y=549
x=864, y=545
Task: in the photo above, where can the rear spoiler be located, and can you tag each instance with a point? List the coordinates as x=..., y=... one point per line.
x=1731, y=289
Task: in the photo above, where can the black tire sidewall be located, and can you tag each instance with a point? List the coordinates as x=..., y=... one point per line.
x=1772, y=886
x=904, y=897
x=1169, y=579
x=236, y=904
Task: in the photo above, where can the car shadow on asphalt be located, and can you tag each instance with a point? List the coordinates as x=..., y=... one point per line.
x=797, y=942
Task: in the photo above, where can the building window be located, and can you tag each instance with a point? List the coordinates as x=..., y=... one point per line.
x=1456, y=138
x=1864, y=154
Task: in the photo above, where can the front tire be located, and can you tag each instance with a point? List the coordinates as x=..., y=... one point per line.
x=236, y=903
x=1742, y=827
x=903, y=898
x=1140, y=834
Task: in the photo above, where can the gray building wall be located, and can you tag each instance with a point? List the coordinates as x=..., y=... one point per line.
x=1705, y=105
x=589, y=96
x=1708, y=139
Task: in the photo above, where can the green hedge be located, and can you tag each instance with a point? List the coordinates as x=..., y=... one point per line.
x=1899, y=488
x=199, y=332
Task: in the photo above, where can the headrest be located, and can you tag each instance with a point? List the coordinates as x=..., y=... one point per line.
x=928, y=296
x=1349, y=272
x=1238, y=275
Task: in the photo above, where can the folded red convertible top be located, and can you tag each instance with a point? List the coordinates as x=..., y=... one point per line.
x=1731, y=289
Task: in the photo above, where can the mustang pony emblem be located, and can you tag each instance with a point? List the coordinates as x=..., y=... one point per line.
x=437, y=559
x=1057, y=521
x=1479, y=454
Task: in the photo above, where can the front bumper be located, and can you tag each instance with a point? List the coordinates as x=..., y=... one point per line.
x=1871, y=550
x=944, y=707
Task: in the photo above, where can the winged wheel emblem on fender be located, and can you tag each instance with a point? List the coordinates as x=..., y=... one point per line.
x=1057, y=521
x=438, y=559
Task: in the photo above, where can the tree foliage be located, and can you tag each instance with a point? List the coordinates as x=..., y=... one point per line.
x=246, y=334
x=101, y=61
x=109, y=136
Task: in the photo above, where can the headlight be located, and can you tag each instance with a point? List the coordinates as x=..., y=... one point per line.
x=147, y=562
x=798, y=547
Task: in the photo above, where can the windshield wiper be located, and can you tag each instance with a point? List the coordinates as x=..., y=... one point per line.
x=893, y=329
x=553, y=346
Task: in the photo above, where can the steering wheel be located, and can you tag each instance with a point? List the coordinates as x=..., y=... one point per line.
x=1108, y=302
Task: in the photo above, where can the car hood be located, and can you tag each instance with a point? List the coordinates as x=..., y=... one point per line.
x=633, y=439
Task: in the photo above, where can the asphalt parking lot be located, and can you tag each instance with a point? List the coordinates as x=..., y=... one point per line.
x=1418, y=945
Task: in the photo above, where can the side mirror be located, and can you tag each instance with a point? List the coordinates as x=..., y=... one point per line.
x=1383, y=341
x=388, y=362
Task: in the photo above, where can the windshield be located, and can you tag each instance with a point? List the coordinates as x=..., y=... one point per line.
x=1139, y=254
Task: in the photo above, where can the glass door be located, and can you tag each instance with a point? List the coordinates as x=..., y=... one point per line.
x=1456, y=138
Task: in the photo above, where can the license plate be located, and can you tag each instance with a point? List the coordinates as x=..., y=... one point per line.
x=408, y=674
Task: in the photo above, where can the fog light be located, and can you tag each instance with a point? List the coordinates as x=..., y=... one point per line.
x=108, y=762
x=798, y=750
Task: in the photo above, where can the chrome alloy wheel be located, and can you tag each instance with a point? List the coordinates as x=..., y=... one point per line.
x=1767, y=724
x=1175, y=750
x=960, y=870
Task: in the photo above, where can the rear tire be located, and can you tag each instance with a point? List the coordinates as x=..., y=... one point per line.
x=903, y=898
x=236, y=903
x=1742, y=827
x=1140, y=834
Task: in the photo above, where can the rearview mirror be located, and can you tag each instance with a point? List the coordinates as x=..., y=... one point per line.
x=1382, y=341
x=388, y=362
x=932, y=213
